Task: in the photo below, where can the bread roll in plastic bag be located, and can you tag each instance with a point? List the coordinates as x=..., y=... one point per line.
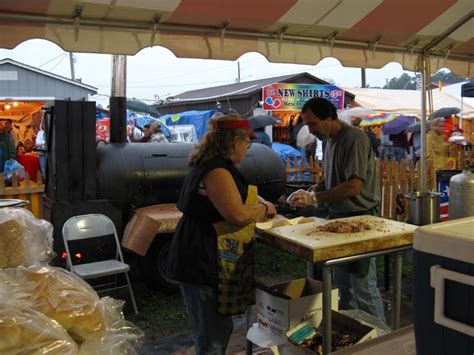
x=119, y=337
x=24, y=239
x=25, y=331
x=58, y=294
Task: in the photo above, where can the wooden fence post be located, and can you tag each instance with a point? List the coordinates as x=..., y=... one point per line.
x=25, y=190
x=403, y=189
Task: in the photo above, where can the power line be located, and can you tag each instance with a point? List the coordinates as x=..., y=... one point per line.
x=49, y=61
x=191, y=73
x=57, y=63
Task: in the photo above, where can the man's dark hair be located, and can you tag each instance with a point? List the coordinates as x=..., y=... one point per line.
x=146, y=125
x=322, y=108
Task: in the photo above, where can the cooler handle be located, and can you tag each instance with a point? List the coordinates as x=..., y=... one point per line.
x=438, y=277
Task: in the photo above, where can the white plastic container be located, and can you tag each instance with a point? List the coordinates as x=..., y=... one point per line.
x=444, y=287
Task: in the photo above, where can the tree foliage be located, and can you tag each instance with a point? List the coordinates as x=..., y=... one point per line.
x=409, y=82
x=403, y=82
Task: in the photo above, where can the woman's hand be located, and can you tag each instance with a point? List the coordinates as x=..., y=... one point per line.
x=271, y=210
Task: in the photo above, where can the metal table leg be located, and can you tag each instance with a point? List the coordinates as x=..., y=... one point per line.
x=310, y=269
x=327, y=319
x=386, y=272
x=248, y=344
x=397, y=290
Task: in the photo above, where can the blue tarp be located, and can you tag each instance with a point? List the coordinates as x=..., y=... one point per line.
x=287, y=151
x=197, y=118
x=139, y=120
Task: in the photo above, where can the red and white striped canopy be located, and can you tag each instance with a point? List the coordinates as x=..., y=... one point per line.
x=360, y=33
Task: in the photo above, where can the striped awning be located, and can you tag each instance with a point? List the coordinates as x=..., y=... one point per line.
x=360, y=33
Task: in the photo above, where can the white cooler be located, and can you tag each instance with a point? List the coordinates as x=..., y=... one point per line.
x=443, y=266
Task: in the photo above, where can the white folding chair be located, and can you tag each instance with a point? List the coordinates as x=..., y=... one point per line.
x=95, y=226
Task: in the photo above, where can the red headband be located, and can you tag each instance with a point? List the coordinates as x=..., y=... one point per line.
x=233, y=124
x=236, y=124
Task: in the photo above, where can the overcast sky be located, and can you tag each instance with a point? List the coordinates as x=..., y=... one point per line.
x=157, y=72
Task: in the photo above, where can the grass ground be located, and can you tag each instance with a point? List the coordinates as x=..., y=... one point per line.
x=163, y=314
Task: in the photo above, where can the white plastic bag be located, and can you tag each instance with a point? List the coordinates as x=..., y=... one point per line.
x=24, y=239
x=302, y=198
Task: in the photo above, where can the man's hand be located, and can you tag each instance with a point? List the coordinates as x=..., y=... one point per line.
x=301, y=199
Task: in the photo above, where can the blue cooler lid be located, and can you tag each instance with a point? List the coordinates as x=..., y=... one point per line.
x=452, y=239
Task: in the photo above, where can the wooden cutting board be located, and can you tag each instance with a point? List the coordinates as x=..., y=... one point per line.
x=301, y=240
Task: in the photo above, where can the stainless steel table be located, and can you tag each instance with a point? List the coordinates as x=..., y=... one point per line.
x=330, y=249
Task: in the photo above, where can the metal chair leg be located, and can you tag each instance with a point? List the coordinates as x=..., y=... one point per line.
x=131, y=294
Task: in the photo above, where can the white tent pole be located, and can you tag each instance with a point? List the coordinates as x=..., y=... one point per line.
x=424, y=86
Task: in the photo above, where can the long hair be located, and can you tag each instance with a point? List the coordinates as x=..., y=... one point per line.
x=216, y=143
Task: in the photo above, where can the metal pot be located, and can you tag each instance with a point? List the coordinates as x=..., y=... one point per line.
x=424, y=207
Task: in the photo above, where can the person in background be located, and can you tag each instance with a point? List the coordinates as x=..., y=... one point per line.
x=349, y=189
x=262, y=137
x=386, y=148
x=212, y=250
x=415, y=142
x=156, y=134
x=302, y=139
x=400, y=145
x=374, y=142
x=146, y=133
x=7, y=146
x=20, y=148
x=40, y=143
x=9, y=129
x=29, y=145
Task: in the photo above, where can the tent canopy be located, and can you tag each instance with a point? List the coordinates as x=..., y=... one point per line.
x=369, y=33
x=405, y=102
x=467, y=90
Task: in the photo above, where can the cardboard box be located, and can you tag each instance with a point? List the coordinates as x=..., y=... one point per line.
x=146, y=223
x=340, y=322
x=284, y=306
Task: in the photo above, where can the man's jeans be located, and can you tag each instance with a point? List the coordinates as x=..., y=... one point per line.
x=359, y=292
x=399, y=153
x=211, y=331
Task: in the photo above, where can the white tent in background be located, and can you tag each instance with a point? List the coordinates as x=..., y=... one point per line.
x=407, y=102
x=455, y=90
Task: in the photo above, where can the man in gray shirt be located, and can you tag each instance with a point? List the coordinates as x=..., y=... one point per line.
x=349, y=189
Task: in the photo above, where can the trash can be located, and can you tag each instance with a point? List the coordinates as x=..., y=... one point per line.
x=442, y=183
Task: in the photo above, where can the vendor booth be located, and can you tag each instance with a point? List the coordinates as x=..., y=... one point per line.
x=362, y=34
x=23, y=175
x=286, y=100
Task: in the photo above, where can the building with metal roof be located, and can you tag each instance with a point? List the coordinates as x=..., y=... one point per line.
x=26, y=83
x=241, y=97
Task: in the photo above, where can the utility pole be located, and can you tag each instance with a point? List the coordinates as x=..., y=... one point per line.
x=362, y=78
x=238, y=71
x=71, y=63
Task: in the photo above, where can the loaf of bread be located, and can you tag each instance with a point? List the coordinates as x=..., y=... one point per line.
x=59, y=295
x=12, y=247
x=25, y=331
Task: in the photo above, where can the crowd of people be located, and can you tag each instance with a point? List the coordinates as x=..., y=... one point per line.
x=21, y=155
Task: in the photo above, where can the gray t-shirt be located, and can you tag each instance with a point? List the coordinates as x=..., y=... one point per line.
x=350, y=154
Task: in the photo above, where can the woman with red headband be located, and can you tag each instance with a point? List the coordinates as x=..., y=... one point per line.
x=213, y=248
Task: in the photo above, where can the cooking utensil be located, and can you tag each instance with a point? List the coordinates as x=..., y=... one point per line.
x=424, y=207
x=13, y=203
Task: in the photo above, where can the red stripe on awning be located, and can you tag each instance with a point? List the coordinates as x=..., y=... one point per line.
x=466, y=47
x=242, y=14
x=401, y=18
x=37, y=7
